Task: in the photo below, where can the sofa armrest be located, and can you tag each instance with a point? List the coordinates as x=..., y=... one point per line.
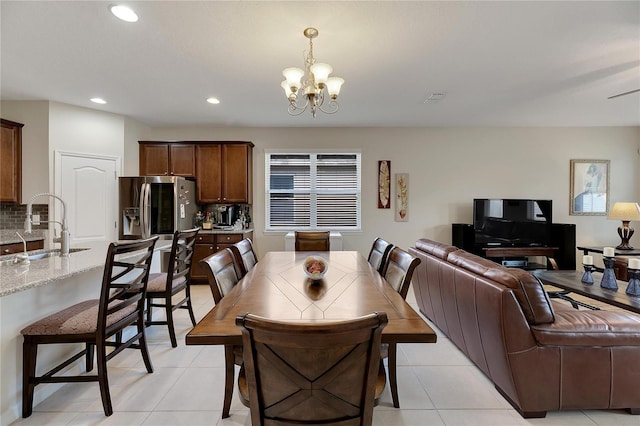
x=589, y=328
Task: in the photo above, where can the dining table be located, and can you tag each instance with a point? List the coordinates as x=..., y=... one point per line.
x=278, y=288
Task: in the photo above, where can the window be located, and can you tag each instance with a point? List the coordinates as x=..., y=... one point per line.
x=312, y=191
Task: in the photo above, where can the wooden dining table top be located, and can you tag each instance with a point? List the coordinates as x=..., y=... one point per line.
x=277, y=288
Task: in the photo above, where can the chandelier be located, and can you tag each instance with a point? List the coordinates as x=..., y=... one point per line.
x=311, y=83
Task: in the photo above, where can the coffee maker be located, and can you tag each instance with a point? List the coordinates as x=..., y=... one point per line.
x=228, y=215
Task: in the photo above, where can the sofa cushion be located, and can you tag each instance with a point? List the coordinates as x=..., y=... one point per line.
x=530, y=293
x=589, y=328
x=434, y=248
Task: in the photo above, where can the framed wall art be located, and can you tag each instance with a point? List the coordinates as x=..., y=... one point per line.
x=589, y=187
x=402, y=197
x=384, y=183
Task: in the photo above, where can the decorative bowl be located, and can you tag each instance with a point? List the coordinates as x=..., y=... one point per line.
x=315, y=267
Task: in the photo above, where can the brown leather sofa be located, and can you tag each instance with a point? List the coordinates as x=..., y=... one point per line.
x=540, y=354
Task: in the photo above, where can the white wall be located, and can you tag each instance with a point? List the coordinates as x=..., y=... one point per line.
x=133, y=132
x=448, y=167
x=83, y=130
x=35, y=140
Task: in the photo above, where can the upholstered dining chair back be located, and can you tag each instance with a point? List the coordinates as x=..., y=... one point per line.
x=94, y=323
x=245, y=255
x=223, y=272
x=399, y=269
x=163, y=286
x=312, y=240
x=320, y=373
x=379, y=254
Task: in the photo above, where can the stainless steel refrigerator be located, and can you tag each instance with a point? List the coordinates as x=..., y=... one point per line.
x=155, y=205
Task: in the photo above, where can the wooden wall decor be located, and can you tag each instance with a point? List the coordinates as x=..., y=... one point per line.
x=402, y=197
x=384, y=184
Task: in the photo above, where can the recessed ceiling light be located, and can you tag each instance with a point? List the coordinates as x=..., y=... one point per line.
x=98, y=100
x=123, y=12
x=214, y=101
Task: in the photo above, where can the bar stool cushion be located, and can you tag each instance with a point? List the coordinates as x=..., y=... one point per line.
x=158, y=282
x=81, y=318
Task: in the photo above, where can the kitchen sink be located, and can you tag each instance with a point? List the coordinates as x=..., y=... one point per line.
x=39, y=254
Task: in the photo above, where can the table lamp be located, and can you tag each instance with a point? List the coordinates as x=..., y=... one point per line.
x=625, y=212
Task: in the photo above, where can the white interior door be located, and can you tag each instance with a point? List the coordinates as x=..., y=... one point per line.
x=88, y=185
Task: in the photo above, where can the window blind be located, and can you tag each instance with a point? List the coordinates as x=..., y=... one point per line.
x=312, y=191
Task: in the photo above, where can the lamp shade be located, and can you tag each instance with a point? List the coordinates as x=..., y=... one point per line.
x=625, y=211
x=333, y=86
x=287, y=89
x=321, y=72
x=293, y=76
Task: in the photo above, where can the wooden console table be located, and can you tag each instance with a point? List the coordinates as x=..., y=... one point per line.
x=507, y=252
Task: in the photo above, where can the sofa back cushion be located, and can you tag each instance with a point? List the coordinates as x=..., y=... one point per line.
x=439, y=250
x=529, y=292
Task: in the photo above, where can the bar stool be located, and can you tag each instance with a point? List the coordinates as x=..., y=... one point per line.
x=93, y=322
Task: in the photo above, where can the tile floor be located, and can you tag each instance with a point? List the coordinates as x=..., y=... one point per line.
x=437, y=386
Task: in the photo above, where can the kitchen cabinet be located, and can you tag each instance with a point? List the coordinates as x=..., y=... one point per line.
x=11, y=162
x=19, y=247
x=206, y=245
x=224, y=172
x=173, y=159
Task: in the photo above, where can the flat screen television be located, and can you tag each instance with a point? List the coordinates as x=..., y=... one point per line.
x=512, y=222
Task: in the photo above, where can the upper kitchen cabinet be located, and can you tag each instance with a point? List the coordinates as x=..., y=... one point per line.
x=172, y=159
x=11, y=162
x=224, y=172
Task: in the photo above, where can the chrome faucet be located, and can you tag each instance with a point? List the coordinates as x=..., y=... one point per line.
x=65, y=236
x=22, y=257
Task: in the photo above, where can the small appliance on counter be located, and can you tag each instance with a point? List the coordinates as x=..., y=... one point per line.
x=228, y=215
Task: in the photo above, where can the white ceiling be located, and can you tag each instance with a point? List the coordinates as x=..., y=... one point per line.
x=500, y=63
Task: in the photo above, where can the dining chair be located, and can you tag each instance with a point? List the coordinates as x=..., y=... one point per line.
x=313, y=373
x=177, y=279
x=245, y=255
x=223, y=273
x=397, y=272
x=379, y=253
x=94, y=322
x=312, y=240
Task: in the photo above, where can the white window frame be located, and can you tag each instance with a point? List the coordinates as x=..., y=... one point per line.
x=313, y=190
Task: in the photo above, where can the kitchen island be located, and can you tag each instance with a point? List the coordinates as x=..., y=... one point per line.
x=31, y=292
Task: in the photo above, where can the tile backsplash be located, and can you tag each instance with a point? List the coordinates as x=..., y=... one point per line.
x=12, y=216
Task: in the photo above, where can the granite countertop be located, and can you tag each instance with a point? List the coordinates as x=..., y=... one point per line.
x=9, y=236
x=225, y=231
x=18, y=277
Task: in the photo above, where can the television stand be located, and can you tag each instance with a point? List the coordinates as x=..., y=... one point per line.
x=520, y=252
x=563, y=241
